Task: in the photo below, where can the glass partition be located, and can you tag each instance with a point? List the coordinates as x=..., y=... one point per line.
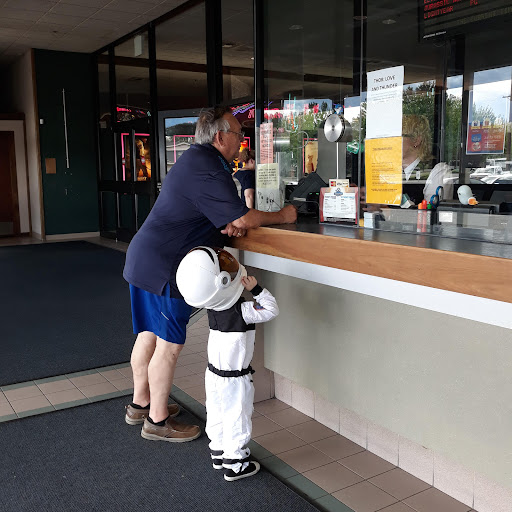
x=181, y=60
x=402, y=110
x=238, y=50
x=309, y=75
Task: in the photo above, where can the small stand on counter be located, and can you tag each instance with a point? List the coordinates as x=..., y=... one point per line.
x=339, y=205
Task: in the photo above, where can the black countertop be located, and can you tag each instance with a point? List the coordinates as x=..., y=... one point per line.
x=476, y=247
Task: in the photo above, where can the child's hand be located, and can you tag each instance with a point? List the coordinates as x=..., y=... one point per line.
x=249, y=282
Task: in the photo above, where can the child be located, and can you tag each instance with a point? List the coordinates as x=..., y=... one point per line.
x=212, y=278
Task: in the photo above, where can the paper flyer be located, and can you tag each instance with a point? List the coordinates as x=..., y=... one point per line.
x=383, y=164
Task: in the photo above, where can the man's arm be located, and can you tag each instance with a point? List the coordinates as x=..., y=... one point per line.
x=256, y=218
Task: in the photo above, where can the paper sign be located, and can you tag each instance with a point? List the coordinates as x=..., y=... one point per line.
x=383, y=164
x=340, y=205
x=384, y=103
x=267, y=176
x=267, y=187
x=266, y=143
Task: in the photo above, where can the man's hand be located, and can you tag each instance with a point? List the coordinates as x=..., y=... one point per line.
x=289, y=214
x=249, y=282
x=231, y=230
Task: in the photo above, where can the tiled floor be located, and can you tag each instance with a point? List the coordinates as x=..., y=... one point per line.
x=332, y=471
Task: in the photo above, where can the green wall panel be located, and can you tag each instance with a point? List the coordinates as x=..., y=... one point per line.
x=70, y=195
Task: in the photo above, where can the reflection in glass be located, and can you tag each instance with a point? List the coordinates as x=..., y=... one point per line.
x=237, y=49
x=179, y=136
x=132, y=78
x=106, y=148
x=181, y=61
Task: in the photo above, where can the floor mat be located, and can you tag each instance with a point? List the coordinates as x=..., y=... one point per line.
x=87, y=458
x=65, y=308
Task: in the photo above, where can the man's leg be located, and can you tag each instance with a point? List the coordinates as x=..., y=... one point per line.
x=159, y=425
x=160, y=377
x=142, y=353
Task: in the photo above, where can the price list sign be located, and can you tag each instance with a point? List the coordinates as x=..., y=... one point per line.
x=440, y=18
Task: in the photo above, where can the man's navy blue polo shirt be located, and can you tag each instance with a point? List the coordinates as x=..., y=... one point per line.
x=197, y=199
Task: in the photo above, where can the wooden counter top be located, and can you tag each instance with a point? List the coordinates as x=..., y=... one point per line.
x=472, y=272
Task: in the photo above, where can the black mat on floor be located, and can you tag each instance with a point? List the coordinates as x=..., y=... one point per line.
x=65, y=307
x=87, y=458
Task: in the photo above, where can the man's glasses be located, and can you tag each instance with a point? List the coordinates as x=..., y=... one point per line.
x=240, y=134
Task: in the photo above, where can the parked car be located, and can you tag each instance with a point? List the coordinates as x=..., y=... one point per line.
x=498, y=178
x=483, y=172
x=504, y=179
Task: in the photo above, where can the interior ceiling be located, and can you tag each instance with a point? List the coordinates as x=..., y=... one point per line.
x=71, y=25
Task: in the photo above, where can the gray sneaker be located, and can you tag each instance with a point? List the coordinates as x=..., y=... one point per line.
x=137, y=416
x=172, y=431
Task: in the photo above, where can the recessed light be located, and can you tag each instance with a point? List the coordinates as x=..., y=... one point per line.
x=389, y=21
x=295, y=27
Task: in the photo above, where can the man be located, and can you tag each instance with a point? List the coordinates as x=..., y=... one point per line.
x=197, y=199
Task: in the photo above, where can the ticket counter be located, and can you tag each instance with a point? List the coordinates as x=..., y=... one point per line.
x=400, y=343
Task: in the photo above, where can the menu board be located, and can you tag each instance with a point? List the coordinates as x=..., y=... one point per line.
x=439, y=18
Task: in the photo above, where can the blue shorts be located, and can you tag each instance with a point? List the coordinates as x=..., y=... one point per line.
x=161, y=315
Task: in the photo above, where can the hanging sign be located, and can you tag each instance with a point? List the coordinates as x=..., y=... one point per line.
x=384, y=103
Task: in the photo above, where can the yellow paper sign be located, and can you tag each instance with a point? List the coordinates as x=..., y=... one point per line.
x=383, y=163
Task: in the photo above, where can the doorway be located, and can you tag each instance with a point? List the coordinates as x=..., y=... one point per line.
x=9, y=207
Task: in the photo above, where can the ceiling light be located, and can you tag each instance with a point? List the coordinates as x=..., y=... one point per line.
x=228, y=45
x=252, y=58
x=360, y=18
x=389, y=21
x=295, y=27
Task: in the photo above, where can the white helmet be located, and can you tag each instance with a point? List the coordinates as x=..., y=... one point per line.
x=211, y=278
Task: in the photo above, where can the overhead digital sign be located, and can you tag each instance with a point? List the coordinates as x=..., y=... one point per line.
x=446, y=18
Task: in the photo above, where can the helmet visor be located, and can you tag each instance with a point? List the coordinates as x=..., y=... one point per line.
x=227, y=262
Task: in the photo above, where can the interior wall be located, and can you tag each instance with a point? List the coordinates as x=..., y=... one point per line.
x=20, y=97
x=438, y=380
x=21, y=170
x=70, y=194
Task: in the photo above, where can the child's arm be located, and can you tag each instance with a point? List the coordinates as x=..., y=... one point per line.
x=264, y=309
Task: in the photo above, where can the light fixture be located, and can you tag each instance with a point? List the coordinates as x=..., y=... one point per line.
x=228, y=45
x=138, y=45
x=360, y=18
x=295, y=27
x=252, y=58
x=389, y=21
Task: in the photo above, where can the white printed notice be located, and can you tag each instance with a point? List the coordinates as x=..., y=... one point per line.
x=384, y=103
x=267, y=187
x=339, y=206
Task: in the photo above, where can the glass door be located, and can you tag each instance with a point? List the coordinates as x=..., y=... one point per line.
x=127, y=197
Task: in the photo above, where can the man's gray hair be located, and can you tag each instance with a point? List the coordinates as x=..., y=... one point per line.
x=209, y=123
